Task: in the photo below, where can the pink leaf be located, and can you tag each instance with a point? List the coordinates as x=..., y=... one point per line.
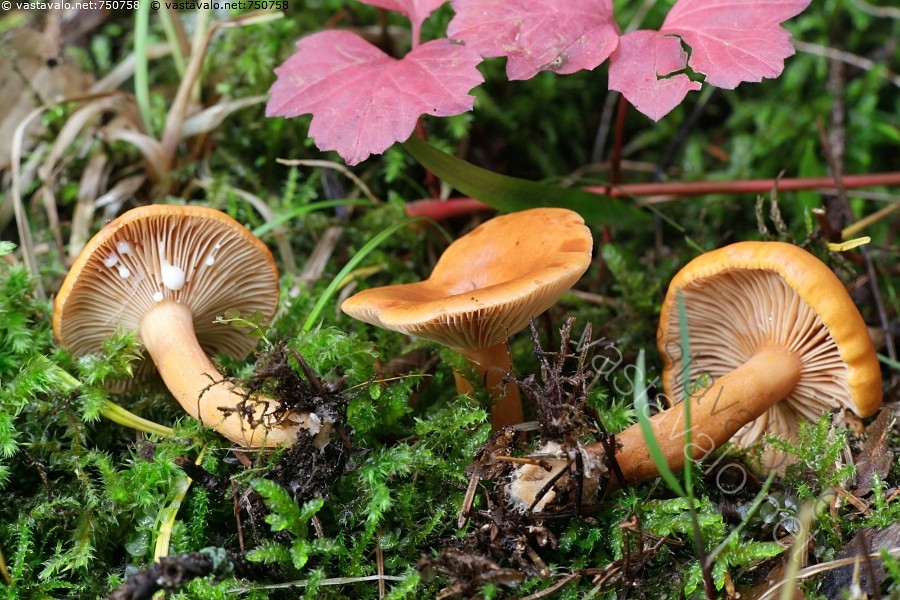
x=636, y=66
x=361, y=99
x=537, y=35
x=735, y=40
x=414, y=10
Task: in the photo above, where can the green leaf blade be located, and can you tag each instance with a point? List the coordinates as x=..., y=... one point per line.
x=510, y=194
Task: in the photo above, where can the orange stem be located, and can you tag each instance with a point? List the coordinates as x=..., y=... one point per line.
x=717, y=413
x=492, y=365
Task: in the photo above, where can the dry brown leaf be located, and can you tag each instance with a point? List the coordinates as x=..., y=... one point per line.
x=775, y=575
x=26, y=82
x=835, y=582
x=113, y=199
x=93, y=181
x=210, y=118
x=124, y=71
x=875, y=457
x=149, y=147
x=83, y=117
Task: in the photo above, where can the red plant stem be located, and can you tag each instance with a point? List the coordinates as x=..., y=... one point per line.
x=441, y=210
x=445, y=209
x=745, y=186
x=615, y=173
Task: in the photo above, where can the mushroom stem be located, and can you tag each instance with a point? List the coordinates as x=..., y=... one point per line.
x=717, y=413
x=169, y=337
x=492, y=365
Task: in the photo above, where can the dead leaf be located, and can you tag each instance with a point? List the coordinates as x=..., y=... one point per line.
x=210, y=118
x=875, y=457
x=836, y=582
x=26, y=81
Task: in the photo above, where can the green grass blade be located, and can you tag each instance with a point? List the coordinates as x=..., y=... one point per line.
x=165, y=17
x=122, y=416
x=892, y=364
x=357, y=258
x=510, y=194
x=141, y=73
x=643, y=413
x=66, y=382
x=686, y=379
x=688, y=462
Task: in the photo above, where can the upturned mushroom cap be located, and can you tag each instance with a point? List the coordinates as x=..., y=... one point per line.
x=753, y=295
x=191, y=255
x=488, y=283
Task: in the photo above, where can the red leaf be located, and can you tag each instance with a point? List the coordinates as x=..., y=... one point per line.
x=361, y=99
x=414, y=10
x=537, y=35
x=735, y=40
x=636, y=66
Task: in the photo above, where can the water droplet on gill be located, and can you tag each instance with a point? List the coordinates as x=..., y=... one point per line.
x=172, y=276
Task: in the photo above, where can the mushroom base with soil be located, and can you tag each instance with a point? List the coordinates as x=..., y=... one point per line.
x=717, y=413
x=168, y=335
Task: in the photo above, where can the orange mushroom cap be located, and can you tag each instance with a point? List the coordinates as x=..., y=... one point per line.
x=753, y=295
x=488, y=283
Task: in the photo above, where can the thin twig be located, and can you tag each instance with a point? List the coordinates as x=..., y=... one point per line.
x=883, y=318
x=885, y=12
x=379, y=565
x=304, y=583
x=867, y=564
x=553, y=588
x=342, y=169
x=823, y=567
x=846, y=57
x=179, y=108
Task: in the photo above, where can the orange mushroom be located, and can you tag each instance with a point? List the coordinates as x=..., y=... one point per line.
x=166, y=272
x=780, y=338
x=485, y=287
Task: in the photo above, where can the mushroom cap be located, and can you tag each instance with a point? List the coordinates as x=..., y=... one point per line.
x=488, y=283
x=749, y=295
x=189, y=254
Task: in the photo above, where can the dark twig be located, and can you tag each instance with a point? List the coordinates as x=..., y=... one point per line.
x=171, y=572
x=863, y=547
x=549, y=485
x=883, y=319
